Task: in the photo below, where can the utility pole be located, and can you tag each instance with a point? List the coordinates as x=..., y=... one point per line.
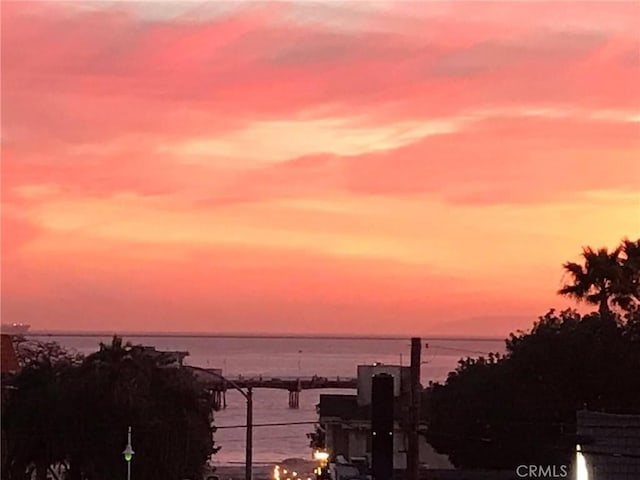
x=413, y=452
x=248, y=474
x=248, y=396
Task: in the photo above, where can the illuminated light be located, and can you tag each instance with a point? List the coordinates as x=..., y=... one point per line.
x=295, y=474
x=582, y=473
x=128, y=453
x=320, y=456
x=285, y=472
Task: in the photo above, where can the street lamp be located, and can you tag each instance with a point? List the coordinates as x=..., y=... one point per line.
x=322, y=457
x=248, y=395
x=582, y=472
x=128, y=454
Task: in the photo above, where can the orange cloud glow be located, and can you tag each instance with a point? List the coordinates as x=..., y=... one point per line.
x=311, y=167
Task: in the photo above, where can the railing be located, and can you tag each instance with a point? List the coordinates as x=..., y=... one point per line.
x=263, y=378
x=212, y=379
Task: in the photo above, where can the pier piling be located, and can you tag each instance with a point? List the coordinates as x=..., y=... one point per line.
x=294, y=399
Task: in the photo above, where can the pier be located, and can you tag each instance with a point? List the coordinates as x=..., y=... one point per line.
x=211, y=381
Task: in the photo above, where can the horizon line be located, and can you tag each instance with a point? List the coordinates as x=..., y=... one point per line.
x=321, y=336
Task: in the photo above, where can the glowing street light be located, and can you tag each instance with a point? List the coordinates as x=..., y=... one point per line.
x=582, y=472
x=128, y=454
x=320, y=456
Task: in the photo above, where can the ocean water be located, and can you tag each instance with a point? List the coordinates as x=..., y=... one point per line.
x=289, y=357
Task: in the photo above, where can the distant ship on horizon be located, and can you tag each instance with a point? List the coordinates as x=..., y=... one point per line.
x=14, y=328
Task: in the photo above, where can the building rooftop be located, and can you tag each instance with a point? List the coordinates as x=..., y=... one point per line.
x=177, y=357
x=9, y=360
x=611, y=444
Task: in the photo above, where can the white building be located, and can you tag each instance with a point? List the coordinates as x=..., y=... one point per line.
x=346, y=420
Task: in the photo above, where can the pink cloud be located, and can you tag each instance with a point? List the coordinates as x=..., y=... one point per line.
x=503, y=160
x=92, y=95
x=499, y=159
x=107, y=73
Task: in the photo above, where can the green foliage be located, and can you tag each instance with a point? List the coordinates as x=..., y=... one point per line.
x=77, y=415
x=499, y=412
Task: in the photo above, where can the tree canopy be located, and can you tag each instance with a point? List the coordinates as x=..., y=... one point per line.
x=501, y=411
x=606, y=278
x=74, y=416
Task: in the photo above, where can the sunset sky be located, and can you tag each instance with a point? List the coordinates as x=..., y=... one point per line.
x=334, y=167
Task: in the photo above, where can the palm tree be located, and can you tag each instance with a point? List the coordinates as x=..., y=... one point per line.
x=596, y=282
x=628, y=295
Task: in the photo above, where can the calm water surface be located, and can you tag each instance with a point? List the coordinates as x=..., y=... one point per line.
x=290, y=357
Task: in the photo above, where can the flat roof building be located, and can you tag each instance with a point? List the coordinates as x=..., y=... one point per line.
x=346, y=420
x=611, y=446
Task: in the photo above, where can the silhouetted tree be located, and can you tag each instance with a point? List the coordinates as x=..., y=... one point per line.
x=596, y=281
x=317, y=438
x=606, y=278
x=36, y=352
x=628, y=294
x=499, y=412
x=34, y=418
x=77, y=415
x=503, y=411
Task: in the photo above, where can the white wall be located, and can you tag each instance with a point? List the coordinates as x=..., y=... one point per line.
x=365, y=374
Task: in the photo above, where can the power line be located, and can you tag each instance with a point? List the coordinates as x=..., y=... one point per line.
x=279, y=437
x=282, y=424
x=463, y=350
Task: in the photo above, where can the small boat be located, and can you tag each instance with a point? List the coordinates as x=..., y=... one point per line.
x=14, y=328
